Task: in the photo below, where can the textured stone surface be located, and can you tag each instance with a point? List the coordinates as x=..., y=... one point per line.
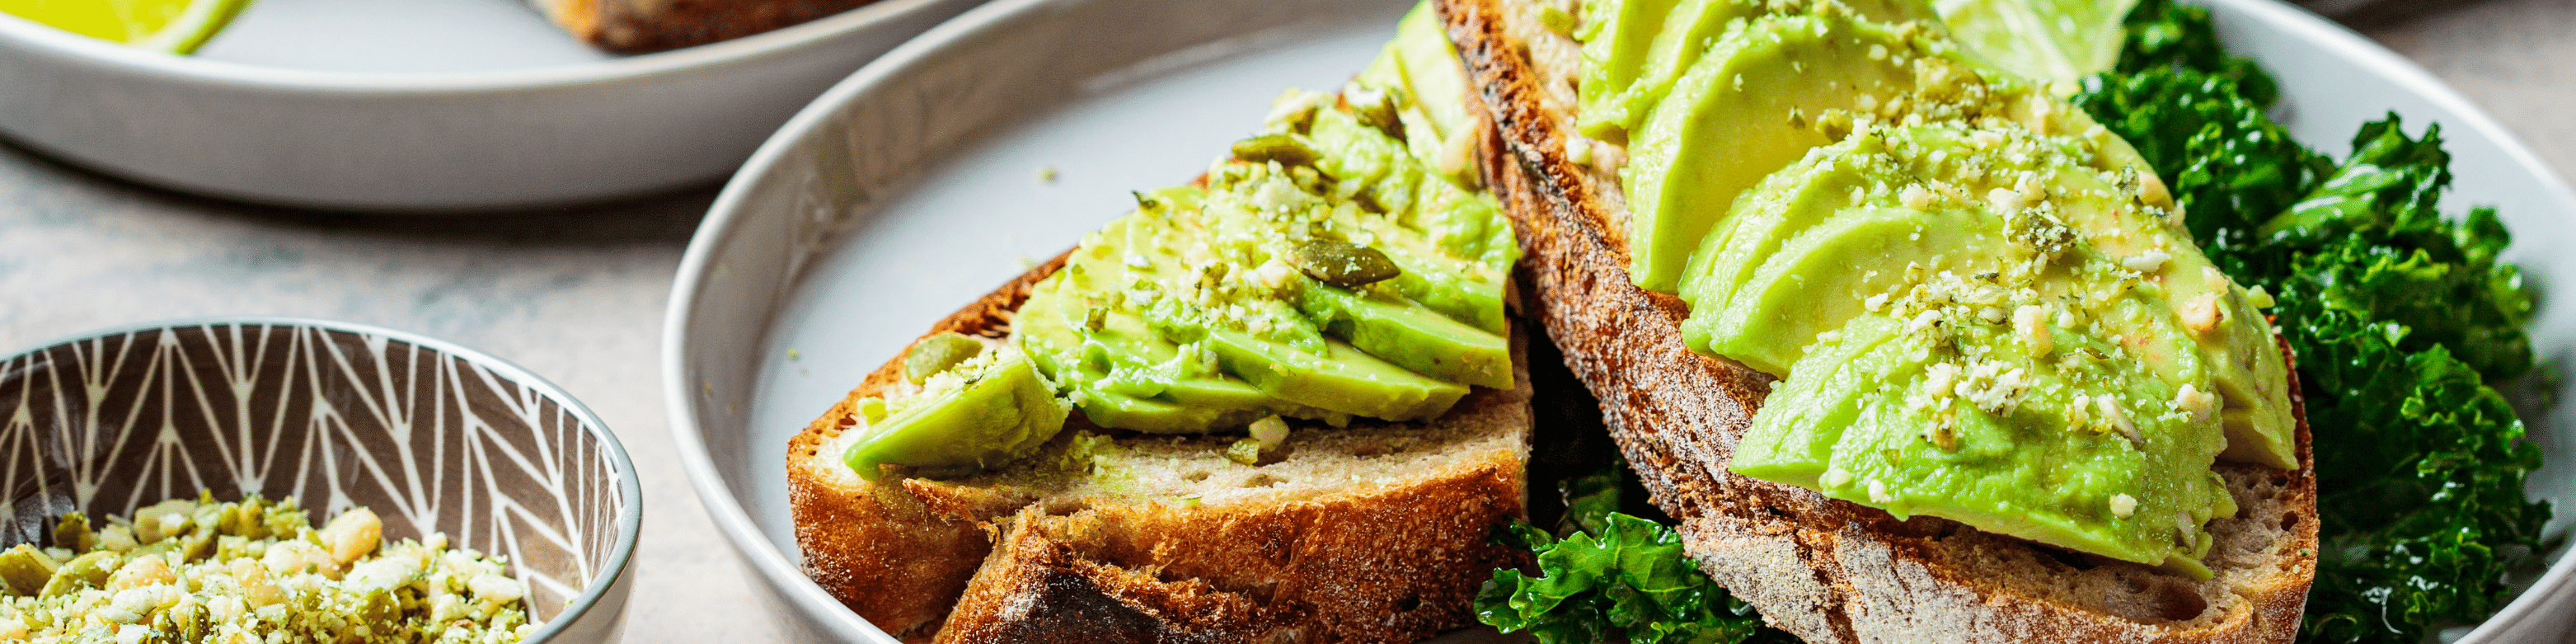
x=573, y=295
x=576, y=295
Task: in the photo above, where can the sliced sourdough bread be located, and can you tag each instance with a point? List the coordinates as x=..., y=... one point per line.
x=1822, y=569
x=1375, y=532
x=637, y=26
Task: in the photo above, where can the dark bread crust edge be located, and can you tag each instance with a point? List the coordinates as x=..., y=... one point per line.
x=1825, y=570
x=1387, y=563
x=640, y=26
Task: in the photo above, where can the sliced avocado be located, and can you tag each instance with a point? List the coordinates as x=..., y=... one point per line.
x=988, y=410
x=1325, y=271
x=1986, y=327
x=1410, y=336
x=1616, y=41
x=1736, y=115
x=937, y=353
x=1688, y=32
x=1823, y=278
x=1786, y=205
x=1813, y=410
x=1122, y=373
x=2029, y=470
x=1337, y=377
x=1421, y=63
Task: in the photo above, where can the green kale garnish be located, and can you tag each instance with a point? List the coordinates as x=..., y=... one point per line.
x=2164, y=35
x=2371, y=240
x=2399, y=318
x=1605, y=575
x=1633, y=583
x=2422, y=507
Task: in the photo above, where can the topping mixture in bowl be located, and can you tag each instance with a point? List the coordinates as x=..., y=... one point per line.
x=253, y=571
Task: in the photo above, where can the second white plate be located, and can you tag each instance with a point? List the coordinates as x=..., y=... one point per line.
x=424, y=105
x=915, y=186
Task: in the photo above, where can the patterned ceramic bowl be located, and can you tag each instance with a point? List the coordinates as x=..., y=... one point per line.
x=432, y=436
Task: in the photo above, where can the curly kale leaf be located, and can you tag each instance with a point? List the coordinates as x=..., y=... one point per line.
x=2422, y=505
x=2231, y=167
x=1633, y=583
x=2164, y=35
x=2398, y=316
x=1608, y=576
x=2372, y=241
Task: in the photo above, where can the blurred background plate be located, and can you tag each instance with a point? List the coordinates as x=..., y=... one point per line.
x=918, y=185
x=424, y=105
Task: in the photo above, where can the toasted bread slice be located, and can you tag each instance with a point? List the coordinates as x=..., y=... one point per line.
x=638, y=26
x=1825, y=570
x=1375, y=532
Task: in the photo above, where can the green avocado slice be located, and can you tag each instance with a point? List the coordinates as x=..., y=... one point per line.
x=1424, y=65
x=988, y=410
x=1409, y=336
x=1811, y=285
x=1615, y=47
x=1812, y=412
x=1788, y=203
x=1687, y=33
x=1984, y=326
x=1735, y=116
x=1123, y=373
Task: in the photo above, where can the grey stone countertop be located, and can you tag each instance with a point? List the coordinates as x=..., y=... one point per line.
x=576, y=295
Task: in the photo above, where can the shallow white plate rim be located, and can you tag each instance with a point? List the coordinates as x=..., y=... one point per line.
x=151, y=63
x=695, y=267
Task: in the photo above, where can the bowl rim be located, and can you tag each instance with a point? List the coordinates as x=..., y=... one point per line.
x=114, y=57
x=630, y=518
x=727, y=212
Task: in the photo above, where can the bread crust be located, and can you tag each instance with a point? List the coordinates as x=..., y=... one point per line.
x=1384, y=561
x=861, y=537
x=1823, y=569
x=640, y=26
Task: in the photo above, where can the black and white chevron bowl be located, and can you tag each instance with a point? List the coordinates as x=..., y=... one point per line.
x=432, y=436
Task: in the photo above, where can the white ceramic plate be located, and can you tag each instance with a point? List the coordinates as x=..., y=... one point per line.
x=914, y=187
x=424, y=105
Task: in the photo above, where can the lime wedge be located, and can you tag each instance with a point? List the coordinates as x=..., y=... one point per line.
x=175, y=26
x=2056, y=41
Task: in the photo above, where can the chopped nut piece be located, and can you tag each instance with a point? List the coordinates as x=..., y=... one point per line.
x=2202, y=314
x=2030, y=325
x=1915, y=196
x=2152, y=192
x=2147, y=262
x=2200, y=404
x=1271, y=431
x=2123, y=505
x=353, y=534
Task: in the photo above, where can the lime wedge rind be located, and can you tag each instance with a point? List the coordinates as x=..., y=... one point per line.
x=200, y=23
x=134, y=23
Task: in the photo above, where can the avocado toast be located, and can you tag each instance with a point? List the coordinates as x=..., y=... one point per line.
x=1796, y=533
x=1282, y=403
